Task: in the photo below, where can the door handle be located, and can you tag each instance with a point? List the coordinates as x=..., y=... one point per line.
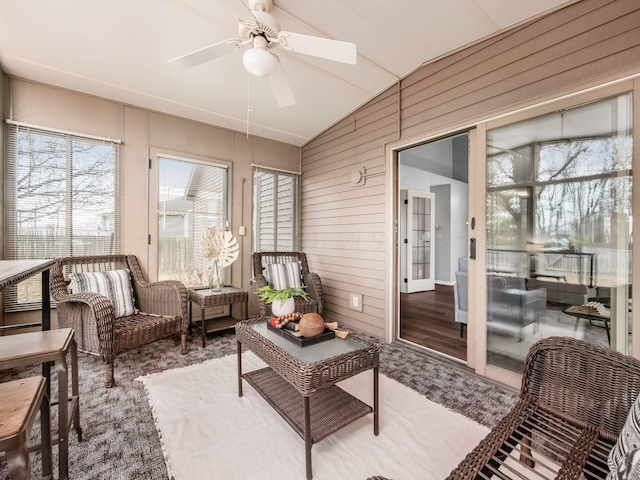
x=472, y=248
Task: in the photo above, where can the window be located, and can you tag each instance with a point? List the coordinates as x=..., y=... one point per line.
x=275, y=210
x=61, y=201
x=192, y=196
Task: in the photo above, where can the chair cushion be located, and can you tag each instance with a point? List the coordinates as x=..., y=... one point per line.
x=113, y=284
x=624, y=458
x=283, y=275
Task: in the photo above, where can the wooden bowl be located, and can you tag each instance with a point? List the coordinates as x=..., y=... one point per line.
x=311, y=325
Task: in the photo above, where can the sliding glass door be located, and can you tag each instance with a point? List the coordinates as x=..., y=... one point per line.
x=559, y=230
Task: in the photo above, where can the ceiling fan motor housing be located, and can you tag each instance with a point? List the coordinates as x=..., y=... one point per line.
x=264, y=25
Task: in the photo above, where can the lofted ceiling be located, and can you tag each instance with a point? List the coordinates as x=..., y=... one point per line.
x=118, y=49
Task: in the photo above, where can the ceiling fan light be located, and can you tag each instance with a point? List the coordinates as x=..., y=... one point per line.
x=259, y=62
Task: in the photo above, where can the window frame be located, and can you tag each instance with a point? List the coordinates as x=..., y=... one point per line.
x=154, y=202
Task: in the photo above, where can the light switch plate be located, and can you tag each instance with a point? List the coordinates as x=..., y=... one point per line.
x=355, y=302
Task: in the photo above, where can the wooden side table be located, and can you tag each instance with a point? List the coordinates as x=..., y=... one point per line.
x=204, y=298
x=44, y=347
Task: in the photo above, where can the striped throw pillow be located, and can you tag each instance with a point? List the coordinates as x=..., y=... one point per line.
x=284, y=275
x=113, y=284
x=624, y=458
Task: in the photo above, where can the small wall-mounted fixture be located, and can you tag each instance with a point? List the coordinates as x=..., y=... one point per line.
x=358, y=176
x=355, y=301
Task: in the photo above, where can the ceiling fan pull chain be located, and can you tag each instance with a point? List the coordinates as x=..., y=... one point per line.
x=248, y=101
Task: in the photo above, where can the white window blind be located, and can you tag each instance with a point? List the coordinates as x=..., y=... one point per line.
x=61, y=200
x=192, y=197
x=275, y=210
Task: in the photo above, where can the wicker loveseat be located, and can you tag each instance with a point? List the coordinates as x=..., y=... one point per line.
x=574, y=401
x=310, y=280
x=162, y=309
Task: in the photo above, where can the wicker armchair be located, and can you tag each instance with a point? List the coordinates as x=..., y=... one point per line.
x=162, y=309
x=574, y=401
x=311, y=280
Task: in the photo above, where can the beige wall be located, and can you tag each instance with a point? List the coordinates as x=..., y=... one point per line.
x=3, y=94
x=140, y=129
x=345, y=229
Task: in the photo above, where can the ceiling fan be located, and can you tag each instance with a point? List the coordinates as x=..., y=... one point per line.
x=263, y=35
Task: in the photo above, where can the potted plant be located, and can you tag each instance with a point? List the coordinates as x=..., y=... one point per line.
x=282, y=302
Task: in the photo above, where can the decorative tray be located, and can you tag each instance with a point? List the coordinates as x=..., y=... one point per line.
x=302, y=341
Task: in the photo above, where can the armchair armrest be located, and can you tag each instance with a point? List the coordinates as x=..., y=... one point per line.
x=536, y=296
x=535, y=304
x=167, y=297
x=314, y=288
x=102, y=311
x=259, y=282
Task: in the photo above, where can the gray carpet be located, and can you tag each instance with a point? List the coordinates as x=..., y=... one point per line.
x=120, y=440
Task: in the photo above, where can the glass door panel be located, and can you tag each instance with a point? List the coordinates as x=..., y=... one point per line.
x=420, y=254
x=191, y=198
x=559, y=229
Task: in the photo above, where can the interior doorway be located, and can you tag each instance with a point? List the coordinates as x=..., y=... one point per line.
x=417, y=259
x=433, y=210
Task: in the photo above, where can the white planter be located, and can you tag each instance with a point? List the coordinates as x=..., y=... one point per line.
x=283, y=307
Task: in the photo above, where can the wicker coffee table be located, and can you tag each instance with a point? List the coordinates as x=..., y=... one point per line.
x=299, y=382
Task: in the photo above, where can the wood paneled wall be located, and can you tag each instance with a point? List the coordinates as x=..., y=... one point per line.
x=345, y=228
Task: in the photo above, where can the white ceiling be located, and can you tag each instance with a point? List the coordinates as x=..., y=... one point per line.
x=119, y=49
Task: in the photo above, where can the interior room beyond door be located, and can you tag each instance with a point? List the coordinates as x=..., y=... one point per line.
x=432, y=237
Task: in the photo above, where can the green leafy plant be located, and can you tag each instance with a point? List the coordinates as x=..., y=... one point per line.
x=268, y=294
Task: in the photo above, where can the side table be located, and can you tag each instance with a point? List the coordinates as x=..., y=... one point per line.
x=578, y=312
x=204, y=298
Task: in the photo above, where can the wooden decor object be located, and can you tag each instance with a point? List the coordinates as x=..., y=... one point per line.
x=311, y=324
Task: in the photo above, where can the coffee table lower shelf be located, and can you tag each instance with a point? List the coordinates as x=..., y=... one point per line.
x=330, y=409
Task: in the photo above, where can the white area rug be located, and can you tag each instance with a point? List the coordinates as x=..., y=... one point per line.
x=208, y=432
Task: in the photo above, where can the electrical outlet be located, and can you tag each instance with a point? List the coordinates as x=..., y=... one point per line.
x=355, y=301
x=242, y=231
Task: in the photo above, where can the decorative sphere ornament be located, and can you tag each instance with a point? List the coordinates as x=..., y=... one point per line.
x=311, y=325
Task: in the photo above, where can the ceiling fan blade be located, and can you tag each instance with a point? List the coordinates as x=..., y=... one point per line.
x=207, y=53
x=280, y=87
x=336, y=50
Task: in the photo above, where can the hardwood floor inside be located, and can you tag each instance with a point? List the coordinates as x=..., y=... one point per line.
x=428, y=319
